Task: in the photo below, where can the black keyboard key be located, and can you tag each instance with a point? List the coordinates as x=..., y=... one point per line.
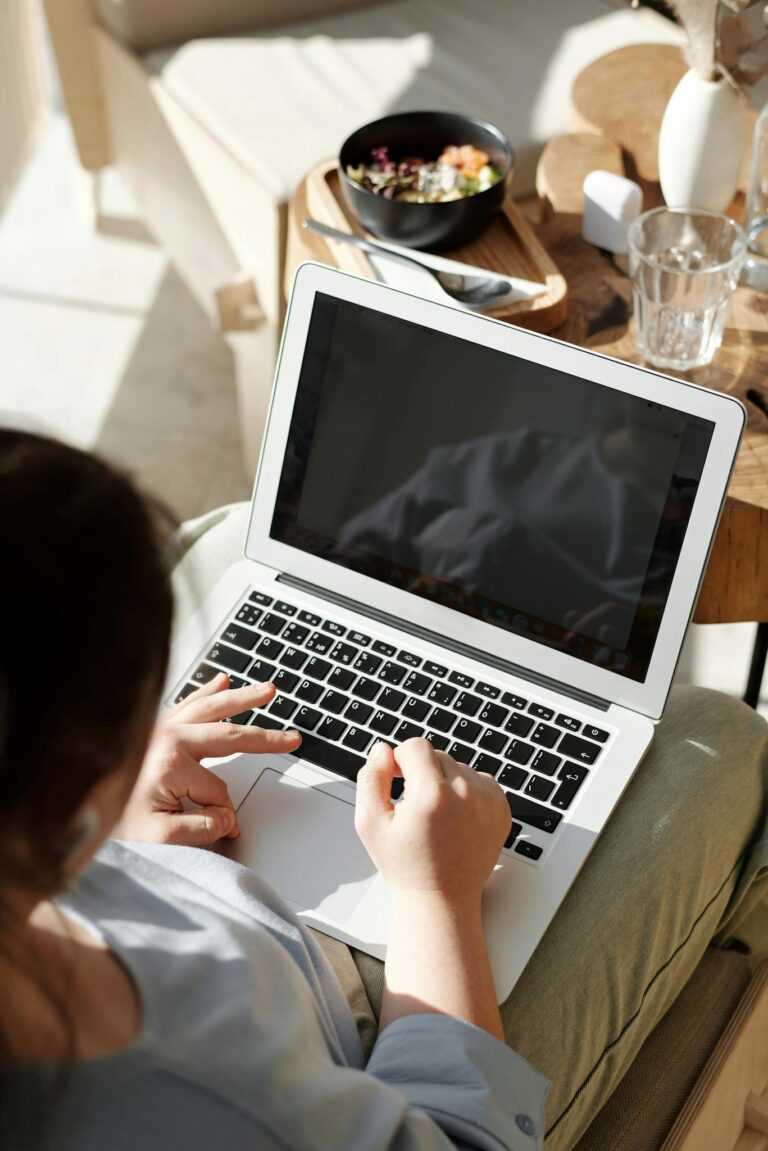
x=235, y=682
x=307, y=718
x=513, y=833
x=344, y=653
x=442, y=693
x=241, y=718
x=518, y=724
x=249, y=614
x=519, y=752
x=528, y=849
x=494, y=741
x=242, y=636
x=282, y=707
x=545, y=735
x=461, y=752
x=545, y=762
x=269, y=648
x=488, y=690
x=358, y=712
x=204, y=674
x=487, y=763
x=467, y=703
x=383, y=648
x=341, y=678
x=572, y=775
x=229, y=657
x=595, y=733
x=579, y=749
x=357, y=739
x=512, y=700
x=331, y=729
x=294, y=658
x=461, y=679
x=384, y=722
x=439, y=742
x=467, y=730
x=534, y=814
x=266, y=721
x=442, y=720
x=408, y=731
x=261, y=671
x=186, y=691
x=540, y=711
x=417, y=683
x=295, y=633
x=309, y=690
x=391, y=699
x=366, y=688
x=285, y=681
x=333, y=627
x=332, y=756
x=539, y=787
x=317, y=668
x=285, y=608
x=567, y=721
x=416, y=709
x=359, y=637
x=334, y=701
x=436, y=669
x=409, y=658
x=272, y=624
x=513, y=777
x=260, y=597
x=309, y=618
x=319, y=643
x=392, y=672
x=493, y=715
x=368, y=663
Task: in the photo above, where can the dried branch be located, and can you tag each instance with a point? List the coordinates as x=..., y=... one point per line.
x=752, y=65
x=699, y=19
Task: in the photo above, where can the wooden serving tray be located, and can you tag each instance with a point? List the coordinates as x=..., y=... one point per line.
x=508, y=246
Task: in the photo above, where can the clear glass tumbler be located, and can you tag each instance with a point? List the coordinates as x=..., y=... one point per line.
x=684, y=264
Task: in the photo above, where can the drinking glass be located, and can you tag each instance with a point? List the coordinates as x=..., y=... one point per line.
x=684, y=264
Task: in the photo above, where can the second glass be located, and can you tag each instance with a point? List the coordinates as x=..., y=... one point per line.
x=684, y=265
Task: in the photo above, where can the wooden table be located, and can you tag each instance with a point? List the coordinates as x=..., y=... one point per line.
x=599, y=316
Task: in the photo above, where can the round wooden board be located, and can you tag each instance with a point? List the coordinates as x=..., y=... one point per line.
x=564, y=164
x=623, y=96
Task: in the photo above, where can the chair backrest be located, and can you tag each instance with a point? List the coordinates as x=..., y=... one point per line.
x=146, y=24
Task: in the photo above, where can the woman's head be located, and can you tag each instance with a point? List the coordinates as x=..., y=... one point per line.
x=85, y=617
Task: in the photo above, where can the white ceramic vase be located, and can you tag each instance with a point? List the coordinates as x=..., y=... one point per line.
x=701, y=144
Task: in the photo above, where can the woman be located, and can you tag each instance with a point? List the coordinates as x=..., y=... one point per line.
x=160, y=996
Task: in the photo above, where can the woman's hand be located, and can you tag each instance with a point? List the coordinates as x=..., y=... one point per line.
x=445, y=835
x=172, y=772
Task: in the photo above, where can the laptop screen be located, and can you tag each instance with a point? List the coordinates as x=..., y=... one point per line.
x=541, y=503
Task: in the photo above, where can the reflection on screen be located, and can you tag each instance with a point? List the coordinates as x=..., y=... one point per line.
x=544, y=504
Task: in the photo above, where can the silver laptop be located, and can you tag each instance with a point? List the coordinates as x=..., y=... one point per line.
x=463, y=531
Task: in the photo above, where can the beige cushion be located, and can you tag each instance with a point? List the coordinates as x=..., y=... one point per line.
x=146, y=24
x=283, y=100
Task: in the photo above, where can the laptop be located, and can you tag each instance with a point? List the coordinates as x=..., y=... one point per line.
x=471, y=533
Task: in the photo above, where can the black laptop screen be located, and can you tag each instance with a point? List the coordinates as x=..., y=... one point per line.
x=544, y=504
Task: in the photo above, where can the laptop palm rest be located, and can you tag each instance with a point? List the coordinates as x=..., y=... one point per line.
x=301, y=840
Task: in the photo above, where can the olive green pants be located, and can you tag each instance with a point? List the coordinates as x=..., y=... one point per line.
x=682, y=862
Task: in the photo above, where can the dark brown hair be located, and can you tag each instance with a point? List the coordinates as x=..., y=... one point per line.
x=85, y=618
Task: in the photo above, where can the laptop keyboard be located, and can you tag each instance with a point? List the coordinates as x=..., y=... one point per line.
x=344, y=689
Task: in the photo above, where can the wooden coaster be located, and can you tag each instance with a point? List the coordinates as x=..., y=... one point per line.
x=564, y=164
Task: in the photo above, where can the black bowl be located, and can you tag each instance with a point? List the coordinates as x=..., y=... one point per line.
x=432, y=227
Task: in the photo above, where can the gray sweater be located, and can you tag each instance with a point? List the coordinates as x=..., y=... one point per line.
x=247, y=1039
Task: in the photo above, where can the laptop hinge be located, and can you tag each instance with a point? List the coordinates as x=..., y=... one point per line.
x=444, y=642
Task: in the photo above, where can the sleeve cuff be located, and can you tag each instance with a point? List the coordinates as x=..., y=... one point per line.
x=478, y=1090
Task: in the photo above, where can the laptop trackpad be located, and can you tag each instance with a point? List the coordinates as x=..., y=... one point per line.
x=302, y=841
